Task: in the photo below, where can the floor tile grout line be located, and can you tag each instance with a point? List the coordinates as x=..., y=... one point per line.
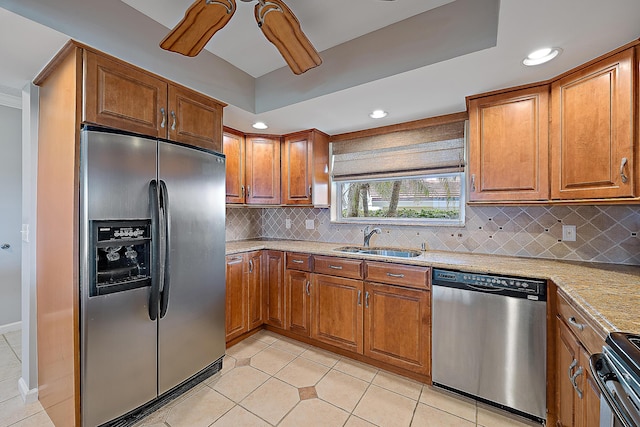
x=11, y=348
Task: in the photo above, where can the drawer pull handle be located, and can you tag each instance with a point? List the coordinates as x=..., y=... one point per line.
x=164, y=117
x=248, y=191
x=336, y=267
x=235, y=260
x=473, y=183
x=359, y=297
x=574, y=322
x=574, y=383
x=366, y=299
x=623, y=177
x=250, y=266
x=308, y=285
x=399, y=276
x=573, y=365
x=297, y=261
x=173, y=124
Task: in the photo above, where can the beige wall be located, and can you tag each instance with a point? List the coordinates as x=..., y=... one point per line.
x=604, y=233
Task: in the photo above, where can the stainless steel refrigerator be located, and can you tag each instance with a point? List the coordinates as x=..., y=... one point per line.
x=152, y=273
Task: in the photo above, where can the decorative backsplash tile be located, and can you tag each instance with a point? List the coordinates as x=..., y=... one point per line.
x=604, y=233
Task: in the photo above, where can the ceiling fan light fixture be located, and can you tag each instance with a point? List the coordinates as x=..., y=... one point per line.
x=541, y=56
x=260, y=125
x=378, y=114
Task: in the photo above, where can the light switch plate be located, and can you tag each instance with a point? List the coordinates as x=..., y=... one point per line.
x=309, y=224
x=569, y=233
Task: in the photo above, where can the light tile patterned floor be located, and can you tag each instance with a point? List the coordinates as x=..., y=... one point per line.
x=270, y=380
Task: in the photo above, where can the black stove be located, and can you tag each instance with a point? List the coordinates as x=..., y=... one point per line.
x=617, y=373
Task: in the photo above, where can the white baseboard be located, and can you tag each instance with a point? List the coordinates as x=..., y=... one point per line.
x=28, y=396
x=10, y=327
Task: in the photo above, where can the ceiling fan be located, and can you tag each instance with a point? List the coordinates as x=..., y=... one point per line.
x=278, y=23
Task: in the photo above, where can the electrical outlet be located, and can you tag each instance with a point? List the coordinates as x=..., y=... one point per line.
x=569, y=233
x=309, y=224
x=287, y=223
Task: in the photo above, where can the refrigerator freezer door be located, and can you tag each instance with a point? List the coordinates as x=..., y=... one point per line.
x=191, y=333
x=118, y=339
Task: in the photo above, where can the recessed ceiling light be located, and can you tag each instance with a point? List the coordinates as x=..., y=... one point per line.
x=378, y=114
x=541, y=56
x=260, y=125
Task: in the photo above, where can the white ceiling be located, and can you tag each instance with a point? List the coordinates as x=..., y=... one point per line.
x=410, y=80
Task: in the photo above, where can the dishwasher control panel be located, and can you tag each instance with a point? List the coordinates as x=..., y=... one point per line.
x=490, y=282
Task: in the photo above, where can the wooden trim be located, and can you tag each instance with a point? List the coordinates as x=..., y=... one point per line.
x=304, y=133
x=57, y=250
x=576, y=202
x=416, y=124
x=552, y=332
x=426, y=379
x=55, y=62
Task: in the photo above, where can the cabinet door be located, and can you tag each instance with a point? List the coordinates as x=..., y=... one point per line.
x=296, y=170
x=124, y=97
x=233, y=148
x=337, y=312
x=274, y=288
x=592, y=131
x=509, y=145
x=236, y=298
x=194, y=119
x=567, y=361
x=397, y=326
x=590, y=402
x=255, y=303
x=262, y=170
x=298, y=285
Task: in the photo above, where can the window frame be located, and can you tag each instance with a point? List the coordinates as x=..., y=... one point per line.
x=336, y=206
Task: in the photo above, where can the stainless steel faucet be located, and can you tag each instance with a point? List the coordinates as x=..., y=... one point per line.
x=368, y=234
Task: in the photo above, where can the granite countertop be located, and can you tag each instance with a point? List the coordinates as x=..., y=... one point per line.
x=610, y=293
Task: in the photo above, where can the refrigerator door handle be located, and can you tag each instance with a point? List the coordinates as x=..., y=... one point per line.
x=154, y=207
x=164, y=296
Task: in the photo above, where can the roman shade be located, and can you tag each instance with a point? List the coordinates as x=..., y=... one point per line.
x=429, y=150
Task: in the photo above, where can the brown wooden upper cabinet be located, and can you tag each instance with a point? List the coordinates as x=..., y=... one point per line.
x=233, y=147
x=592, y=115
x=262, y=170
x=305, y=168
x=125, y=97
x=509, y=145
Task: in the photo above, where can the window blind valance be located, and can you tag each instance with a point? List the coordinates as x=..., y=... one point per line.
x=435, y=149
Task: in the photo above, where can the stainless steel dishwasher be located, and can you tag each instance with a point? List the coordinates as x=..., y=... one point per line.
x=490, y=339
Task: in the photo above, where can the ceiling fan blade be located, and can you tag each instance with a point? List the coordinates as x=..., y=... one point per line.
x=281, y=27
x=201, y=21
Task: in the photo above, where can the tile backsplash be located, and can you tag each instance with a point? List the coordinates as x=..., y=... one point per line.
x=604, y=233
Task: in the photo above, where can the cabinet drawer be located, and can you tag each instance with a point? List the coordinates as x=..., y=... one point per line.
x=341, y=267
x=405, y=275
x=302, y=262
x=580, y=325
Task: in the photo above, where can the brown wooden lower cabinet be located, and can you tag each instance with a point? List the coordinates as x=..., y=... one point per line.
x=273, y=280
x=236, y=296
x=254, y=290
x=337, y=311
x=244, y=302
x=397, y=326
x=298, y=301
x=577, y=395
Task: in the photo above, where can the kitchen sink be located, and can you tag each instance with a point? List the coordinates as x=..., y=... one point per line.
x=395, y=252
